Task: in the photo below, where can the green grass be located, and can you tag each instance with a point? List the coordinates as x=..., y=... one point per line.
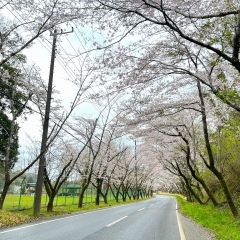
x=219, y=221
x=12, y=201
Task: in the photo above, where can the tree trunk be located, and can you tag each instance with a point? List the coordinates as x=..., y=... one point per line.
x=186, y=181
x=81, y=196
x=133, y=193
x=202, y=182
x=99, y=190
x=105, y=195
x=50, y=204
x=114, y=195
x=192, y=191
x=124, y=195
x=97, y=200
x=117, y=196
x=211, y=165
x=226, y=192
x=105, y=198
x=189, y=196
x=4, y=194
x=193, y=172
x=141, y=194
x=209, y=193
x=129, y=196
x=80, y=200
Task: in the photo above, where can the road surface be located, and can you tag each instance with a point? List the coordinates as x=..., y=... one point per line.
x=153, y=219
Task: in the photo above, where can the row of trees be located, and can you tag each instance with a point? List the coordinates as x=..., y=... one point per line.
x=98, y=158
x=90, y=149
x=75, y=144
x=180, y=63
x=176, y=67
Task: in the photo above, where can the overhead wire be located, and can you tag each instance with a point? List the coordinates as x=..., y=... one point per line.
x=90, y=87
x=60, y=59
x=85, y=49
x=63, y=63
x=47, y=45
x=70, y=60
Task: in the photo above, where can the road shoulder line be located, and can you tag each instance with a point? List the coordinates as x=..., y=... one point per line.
x=182, y=235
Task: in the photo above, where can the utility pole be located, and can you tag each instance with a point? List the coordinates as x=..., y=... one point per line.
x=136, y=190
x=42, y=160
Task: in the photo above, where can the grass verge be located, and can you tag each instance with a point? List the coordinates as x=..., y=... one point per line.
x=219, y=221
x=13, y=218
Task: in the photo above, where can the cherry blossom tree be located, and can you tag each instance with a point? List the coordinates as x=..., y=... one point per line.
x=22, y=22
x=65, y=160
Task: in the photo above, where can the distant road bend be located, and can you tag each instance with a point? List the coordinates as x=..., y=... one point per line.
x=153, y=219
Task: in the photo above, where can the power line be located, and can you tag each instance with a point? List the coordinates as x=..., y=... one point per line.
x=60, y=59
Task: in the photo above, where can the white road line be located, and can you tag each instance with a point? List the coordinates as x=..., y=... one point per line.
x=182, y=235
x=141, y=209
x=120, y=219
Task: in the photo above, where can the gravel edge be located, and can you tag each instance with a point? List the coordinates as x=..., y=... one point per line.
x=193, y=230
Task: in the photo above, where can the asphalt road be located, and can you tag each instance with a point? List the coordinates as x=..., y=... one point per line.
x=153, y=219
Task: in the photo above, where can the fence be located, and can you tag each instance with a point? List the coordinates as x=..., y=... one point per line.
x=25, y=200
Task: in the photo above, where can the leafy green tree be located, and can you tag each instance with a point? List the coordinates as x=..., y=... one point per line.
x=13, y=99
x=13, y=103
